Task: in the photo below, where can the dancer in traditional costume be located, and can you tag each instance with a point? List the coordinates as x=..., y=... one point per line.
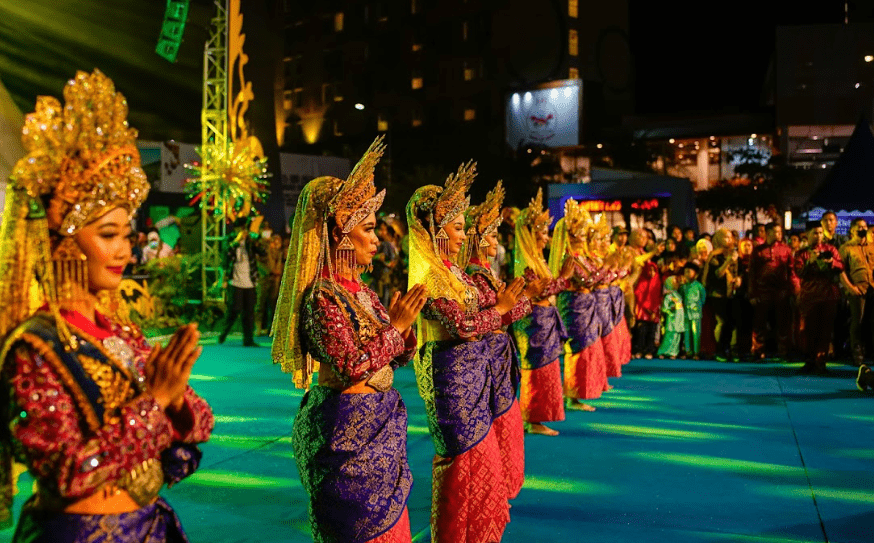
x=350, y=434
x=585, y=374
x=99, y=418
x=607, y=270
x=541, y=335
x=453, y=367
x=482, y=244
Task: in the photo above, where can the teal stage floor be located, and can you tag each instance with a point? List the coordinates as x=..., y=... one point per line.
x=680, y=451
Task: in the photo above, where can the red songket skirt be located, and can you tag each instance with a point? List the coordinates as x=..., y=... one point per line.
x=399, y=533
x=469, y=495
x=585, y=373
x=624, y=340
x=540, y=394
x=612, y=343
x=510, y=432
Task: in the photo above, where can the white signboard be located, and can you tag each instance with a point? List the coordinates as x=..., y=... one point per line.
x=546, y=117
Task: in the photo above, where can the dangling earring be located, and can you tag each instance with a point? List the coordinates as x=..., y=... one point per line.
x=71, y=273
x=442, y=243
x=345, y=255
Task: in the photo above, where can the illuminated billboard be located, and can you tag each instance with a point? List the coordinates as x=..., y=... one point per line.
x=548, y=116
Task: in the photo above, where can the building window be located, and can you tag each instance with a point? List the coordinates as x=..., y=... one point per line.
x=469, y=114
x=417, y=82
x=417, y=47
x=573, y=43
x=417, y=118
x=414, y=6
x=464, y=29
x=327, y=93
x=381, y=123
x=286, y=100
x=338, y=22
x=573, y=8
x=469, y=71
x=573, y=73
x=297, y=100
x=337, y=131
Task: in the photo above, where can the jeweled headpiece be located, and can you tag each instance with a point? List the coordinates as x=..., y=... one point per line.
x=535, y=216
x=356, y=198
x=486, y=217
x=453, y=199
x=83, y=154
x=576, y=218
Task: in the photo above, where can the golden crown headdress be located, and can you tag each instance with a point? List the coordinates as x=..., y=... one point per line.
x=356, y=198
x=576, y=218
x=453, y=200
x=535, y=216
x=486, y=217
x=84, y=154
x=600, y=226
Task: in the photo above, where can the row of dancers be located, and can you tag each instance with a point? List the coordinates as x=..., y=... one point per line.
x=473, y=340
x=102, y=420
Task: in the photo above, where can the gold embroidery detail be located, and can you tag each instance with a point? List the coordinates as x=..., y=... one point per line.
x=115, y=388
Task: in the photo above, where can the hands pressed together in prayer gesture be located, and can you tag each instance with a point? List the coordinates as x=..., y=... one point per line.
x=403, y=310
x=168, y=368
x=509, y=295
x=534, y=288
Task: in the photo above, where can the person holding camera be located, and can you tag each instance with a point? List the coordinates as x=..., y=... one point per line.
x=817, y=267
x=858, y=258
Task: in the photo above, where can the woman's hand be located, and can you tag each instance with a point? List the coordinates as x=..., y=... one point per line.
x=168, y=368
x=567, y=268
x=534, y=288
x=508, y=297
x=403, y=310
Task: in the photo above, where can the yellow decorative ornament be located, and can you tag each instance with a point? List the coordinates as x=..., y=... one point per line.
x=531, y=220
x=81, y=162
x=481, y=221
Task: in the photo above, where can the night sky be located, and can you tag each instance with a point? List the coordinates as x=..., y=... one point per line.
x=713, y=56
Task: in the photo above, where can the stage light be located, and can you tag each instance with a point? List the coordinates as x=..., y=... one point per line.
x=359, y=106
x=600, y=146
x=869, y=58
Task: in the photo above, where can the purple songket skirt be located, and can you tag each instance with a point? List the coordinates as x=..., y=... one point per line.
x=351, y=451
x=604, y=310
x=155, y=523
x=580, y=317
x=455, y=381
x=540, y=337
x=505, y=372
x=617, y=303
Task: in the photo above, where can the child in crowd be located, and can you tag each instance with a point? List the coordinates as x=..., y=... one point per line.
x=673, y=318
x=693, y=304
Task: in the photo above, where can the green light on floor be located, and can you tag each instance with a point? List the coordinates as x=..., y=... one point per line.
x=618, y=403
x=417, y=430
x=649, y=431
x=857, y=496
x=290, y=392
x=861, y=454
x=861, y=418
x=726, y=464
x=550, y=484
x=244, y=442
x=197, y=377
x=656, y=379
x=708, y=424
x=231, y=419
x=240, y=480
x=626, y=398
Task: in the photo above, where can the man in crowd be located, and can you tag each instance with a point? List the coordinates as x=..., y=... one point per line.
x=829, y=230
x=771, y=286
x=817, y=266
x=858, y=258
x=647, y=283
x=242, y=268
